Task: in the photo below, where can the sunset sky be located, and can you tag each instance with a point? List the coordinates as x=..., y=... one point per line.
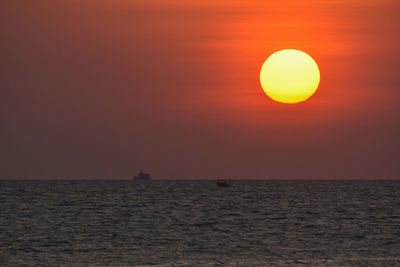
x=96, y=89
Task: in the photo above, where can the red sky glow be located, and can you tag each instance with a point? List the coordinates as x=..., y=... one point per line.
x=100, y=89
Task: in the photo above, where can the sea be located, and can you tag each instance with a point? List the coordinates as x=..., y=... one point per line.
x=195, y=223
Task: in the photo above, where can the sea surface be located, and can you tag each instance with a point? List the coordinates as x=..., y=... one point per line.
x=194, y=223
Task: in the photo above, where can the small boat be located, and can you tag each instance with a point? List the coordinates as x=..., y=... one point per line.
x=223, y=183
x=142, y=176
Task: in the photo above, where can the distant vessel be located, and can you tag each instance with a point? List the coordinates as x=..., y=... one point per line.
x=142, y=176
x=223, y=183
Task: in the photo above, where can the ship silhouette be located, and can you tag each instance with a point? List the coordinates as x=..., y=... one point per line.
x=142, y=176
x=223, y=183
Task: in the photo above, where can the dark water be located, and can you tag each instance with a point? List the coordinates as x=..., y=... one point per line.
x=185, y=223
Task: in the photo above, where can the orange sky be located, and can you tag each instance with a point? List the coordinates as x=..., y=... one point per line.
x=100, y=89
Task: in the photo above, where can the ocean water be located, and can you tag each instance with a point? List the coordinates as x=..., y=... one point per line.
x=194, y=223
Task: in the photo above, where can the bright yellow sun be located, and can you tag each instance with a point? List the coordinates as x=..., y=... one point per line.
x=289, y=76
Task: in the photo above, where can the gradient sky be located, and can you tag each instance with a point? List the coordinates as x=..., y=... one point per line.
x=96, y=89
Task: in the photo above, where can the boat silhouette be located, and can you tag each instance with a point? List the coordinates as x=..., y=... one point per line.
x=142, y=176
x=223, y=183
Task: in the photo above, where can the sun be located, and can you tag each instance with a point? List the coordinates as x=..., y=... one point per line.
x=289, y=76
